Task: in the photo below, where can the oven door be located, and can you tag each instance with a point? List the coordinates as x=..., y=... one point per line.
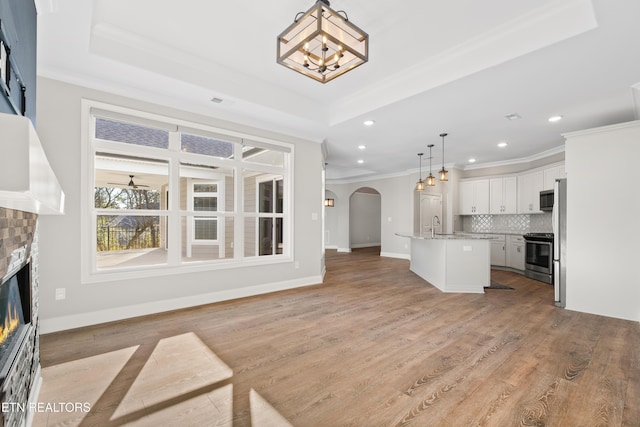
x=539, y=256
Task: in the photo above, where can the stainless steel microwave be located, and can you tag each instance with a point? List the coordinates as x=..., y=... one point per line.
x=546, y=200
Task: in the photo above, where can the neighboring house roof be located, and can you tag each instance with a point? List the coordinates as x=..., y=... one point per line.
x=129, y=133
x=207, y=146
x=132, y=134
x=125, y=221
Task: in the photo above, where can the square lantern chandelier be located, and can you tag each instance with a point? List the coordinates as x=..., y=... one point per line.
x=322, y=43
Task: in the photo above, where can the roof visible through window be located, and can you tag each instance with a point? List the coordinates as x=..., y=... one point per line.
x=131, y=134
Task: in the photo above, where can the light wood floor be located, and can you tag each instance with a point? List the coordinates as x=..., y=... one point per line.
x=373, y=346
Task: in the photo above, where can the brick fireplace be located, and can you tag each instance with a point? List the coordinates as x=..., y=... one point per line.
x=19, y=248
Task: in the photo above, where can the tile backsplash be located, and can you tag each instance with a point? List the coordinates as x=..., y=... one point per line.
x=508, y=224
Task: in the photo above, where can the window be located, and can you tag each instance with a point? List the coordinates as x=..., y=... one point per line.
x=270, y=202
x=167, y=194
x=205, y=199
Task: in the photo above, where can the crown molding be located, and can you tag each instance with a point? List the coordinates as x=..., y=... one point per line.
x=407, y=172
x=609, y=128
x=542, y=155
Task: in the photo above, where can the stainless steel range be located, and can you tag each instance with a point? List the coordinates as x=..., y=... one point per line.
x=538, y=262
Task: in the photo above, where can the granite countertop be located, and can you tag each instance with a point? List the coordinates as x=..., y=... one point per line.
x=454, y=236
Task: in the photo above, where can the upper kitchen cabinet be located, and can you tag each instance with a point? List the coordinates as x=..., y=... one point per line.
x=503, y=195
x=529, y=187
x=474, y=197
x=18, y=58
x=551, y=174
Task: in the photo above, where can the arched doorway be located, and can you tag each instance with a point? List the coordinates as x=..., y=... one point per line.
x=365, y=213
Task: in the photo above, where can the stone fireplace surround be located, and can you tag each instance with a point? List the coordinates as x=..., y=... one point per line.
x=19, y=229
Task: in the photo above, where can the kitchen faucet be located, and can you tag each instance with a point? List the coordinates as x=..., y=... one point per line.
x=433, y=223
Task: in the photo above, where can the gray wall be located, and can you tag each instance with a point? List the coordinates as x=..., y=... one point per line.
x=331, y=222
x=59, y=130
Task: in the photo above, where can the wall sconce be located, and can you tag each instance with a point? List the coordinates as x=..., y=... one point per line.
x=328, y=203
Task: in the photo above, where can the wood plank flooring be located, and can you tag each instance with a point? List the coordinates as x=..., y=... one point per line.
x=374, y=345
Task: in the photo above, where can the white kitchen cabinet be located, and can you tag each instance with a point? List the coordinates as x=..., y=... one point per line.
x=498, y=251
x=474, y=197
x=503, y=195
x=551, y=174
x=529, y=187
x=515, y=252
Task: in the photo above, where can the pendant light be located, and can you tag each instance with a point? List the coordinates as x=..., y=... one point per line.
x=420, y=183
x=431, y=180
x=443, y=172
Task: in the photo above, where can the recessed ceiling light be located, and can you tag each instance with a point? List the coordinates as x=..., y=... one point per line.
x=362, y=147
x=369, y=122
x=513, y=116
x=554, y=119
x=502, y=144
x=472, y=160
x=360, y=161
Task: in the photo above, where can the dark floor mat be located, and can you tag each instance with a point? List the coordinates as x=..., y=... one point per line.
x=495, y=285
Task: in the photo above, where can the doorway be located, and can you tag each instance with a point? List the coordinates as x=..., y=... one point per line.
x=365, y=213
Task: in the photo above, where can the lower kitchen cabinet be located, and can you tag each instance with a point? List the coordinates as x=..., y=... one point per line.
x=498, y=253
x=515, y=252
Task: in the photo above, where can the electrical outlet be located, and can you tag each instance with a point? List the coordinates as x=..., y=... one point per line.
x=61, y=293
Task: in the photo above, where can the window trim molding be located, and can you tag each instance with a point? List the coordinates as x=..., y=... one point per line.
x=89, y=272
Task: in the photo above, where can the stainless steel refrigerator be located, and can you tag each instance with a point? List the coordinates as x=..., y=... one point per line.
x=559, y=217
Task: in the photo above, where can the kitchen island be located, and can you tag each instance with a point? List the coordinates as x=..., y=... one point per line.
x=451, y=262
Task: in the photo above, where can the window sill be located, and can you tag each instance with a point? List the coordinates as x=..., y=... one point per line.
x=138, y=272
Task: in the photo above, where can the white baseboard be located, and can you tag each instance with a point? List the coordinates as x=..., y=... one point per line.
x=344, y=250
x=364, y=245
x=396, y=255
x=331, y=246
x=62, y=323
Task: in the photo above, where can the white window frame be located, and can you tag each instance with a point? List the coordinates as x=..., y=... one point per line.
x=174, y=214
x=273, y=215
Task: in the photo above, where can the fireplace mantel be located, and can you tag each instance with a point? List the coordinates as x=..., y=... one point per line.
x=27, y=182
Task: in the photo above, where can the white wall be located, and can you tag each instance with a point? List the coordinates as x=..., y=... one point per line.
x=364, y=220
x=603, y=206
x=59, y=130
